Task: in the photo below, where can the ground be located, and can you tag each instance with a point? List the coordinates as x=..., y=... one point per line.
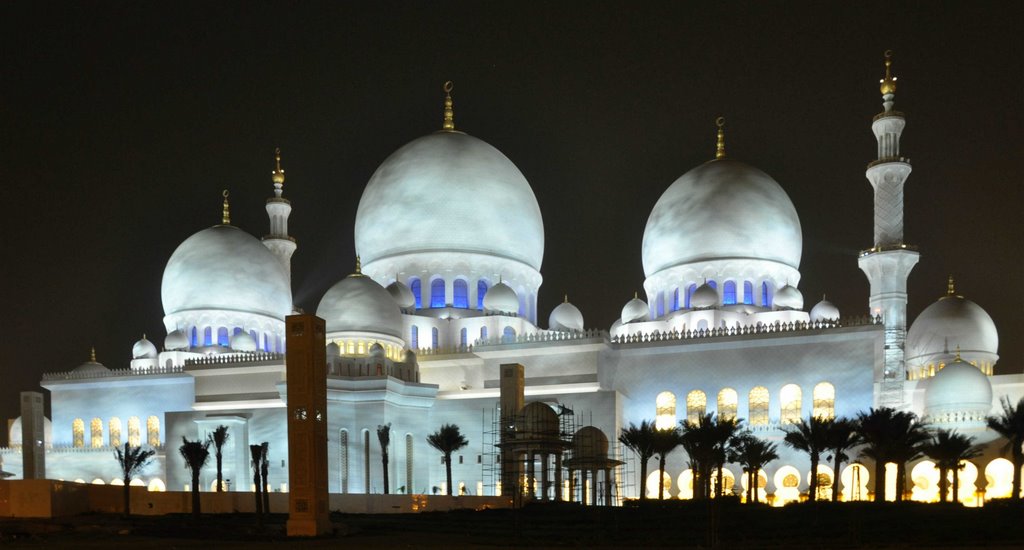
x=676, y=525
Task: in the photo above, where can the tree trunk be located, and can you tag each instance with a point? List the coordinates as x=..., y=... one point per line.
x=384, y=463
x=719, y=490
x=901, y=480
x=643, y=478
x=814, y=478
x=943, y=484
x=195, y=494
x=836, y=476
x=879, y=481
x=258, y=494
x=448, y=471
x=956, y=485
x=127, y=499
x=661, y=476
x=264, y=490
x=1018, y=461
x=220, y=470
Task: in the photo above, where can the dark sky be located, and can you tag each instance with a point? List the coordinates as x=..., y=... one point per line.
x=121, y=123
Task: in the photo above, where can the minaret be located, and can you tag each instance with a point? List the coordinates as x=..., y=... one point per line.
x=888, y=263
x=279, y=208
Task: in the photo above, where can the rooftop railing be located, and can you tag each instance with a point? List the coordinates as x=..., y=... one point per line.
x=721, y=332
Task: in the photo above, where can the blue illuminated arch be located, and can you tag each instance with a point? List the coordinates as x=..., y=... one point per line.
x=481, y=291
x=460, y=294
x=437, y=293
x=748, y=293
x=729, y=293
x=417, y=292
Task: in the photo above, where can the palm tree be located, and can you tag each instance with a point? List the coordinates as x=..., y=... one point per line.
x=911, y=435
x=698, y=440
x=1010, y=424
x=196, y=455
x=264, y=473
x=890, y=436
x=219, y=438
x=753, y=454
x=132, y=460
x=949, y=450
x=665, y=441
x=842, y=436
x=640, y=440
x=448, y=439
x=725, y=433
x=384, y=436
x=256, y=452
x=811, y=437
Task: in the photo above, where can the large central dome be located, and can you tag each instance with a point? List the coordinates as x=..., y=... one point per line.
x=449, y=192
x=722, y=210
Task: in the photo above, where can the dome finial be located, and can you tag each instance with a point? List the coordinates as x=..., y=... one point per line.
x=720, y=145
x=449, y=114
x=278, y=174
x=950, y=287
x=888, y=84
x=359, y=265
x=636, y=295
x=566, y=301
x=225, y=217
x=92, y=354
x=958, y=360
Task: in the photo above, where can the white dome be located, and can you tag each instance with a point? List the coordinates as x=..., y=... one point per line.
x=958, y=389
x=703, y=297
x=243, y=341
x=358, y=304
x=225, y=268
x=722, y=209
x=635, y=310
x=376, y=350
x=500, y=298
x=176, y=341
x=824, y=311
x=333, y=350
x=14, y=433
x=92, y=366
x=565, y=317
x=951, y=322
x=401, y=294
x=144, y=349
x=788, y=297
x=449, y=192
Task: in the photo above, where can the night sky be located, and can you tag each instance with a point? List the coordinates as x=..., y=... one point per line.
x=122, y=122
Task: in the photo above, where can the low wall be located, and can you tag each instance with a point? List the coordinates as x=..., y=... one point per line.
x=43, y=498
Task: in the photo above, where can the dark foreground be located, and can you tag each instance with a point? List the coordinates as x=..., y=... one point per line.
x=675, y=525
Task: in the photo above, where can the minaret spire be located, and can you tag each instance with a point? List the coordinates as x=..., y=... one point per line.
x=449, y=113
x=278, y=209
x=889, y=261
x=720, y=144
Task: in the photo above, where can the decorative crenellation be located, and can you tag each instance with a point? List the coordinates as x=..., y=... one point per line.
x=236, y=359
x=112, y=373
x=778, y=326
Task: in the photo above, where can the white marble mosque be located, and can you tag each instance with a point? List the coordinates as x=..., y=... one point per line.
x=418, y=330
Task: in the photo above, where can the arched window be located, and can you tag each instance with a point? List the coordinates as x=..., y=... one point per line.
x=408, y=464
x=255, y=336
x=729, y=293
x=417, y=292
x=483, y=334
x=675, y=299
x=437, y=293
x=696, y=405
x=460, y=294
x=366, y=461
x=222, y=336
x=748, y=293
x=481, y=291
x=343, y=442
x=96, y=433
x=522, y=302
x=713, y=284
x=791, y=398
x=728, y=401
x=689, y=294
x=115, y=432
x=78, y=433
x=208, y=336
x=824, y=400
x=415, y=337
x=133, y=432
x=766, y=295
x=434, y=337
x=665, y=410
x=463, y=337
x=661, y=304
x=153, y=431
x=508, y=336
x=758, y=403
x=195, y=337
x=236, y=330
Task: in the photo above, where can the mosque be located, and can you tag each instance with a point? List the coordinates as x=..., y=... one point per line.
x=421, y=332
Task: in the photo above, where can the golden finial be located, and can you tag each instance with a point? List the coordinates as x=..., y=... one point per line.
x=359, y=265
x=888, y=84
x=449, y=114
x=950, y=287
x=720, y=146
x=958, y=354
x=92, y=354
x=278, y=174
x=566, y=299
x=636, y=295
x=225, y=217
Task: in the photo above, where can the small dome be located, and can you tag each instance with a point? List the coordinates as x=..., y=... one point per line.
x=333, y=350
x=566, y=317
x=92, y=366
x=358, y=304
x=589, y=443
x=958, y=390
x=704, y=296
x=176, y=341
x=144, y=349
x=538, y=421
x=824, y=311
x=243, y=341
x=953, y=321
x=402, y=294
x=376, y=350
x=788, y=297
x=500, y=298
x=410, y=357
x=635, y=310
x=616, y=325
x=14, y=433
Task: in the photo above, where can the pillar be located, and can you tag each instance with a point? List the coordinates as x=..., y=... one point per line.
x=558, y=477
x=33, y=438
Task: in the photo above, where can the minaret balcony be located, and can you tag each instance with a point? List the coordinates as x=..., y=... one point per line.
x=888, y=159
